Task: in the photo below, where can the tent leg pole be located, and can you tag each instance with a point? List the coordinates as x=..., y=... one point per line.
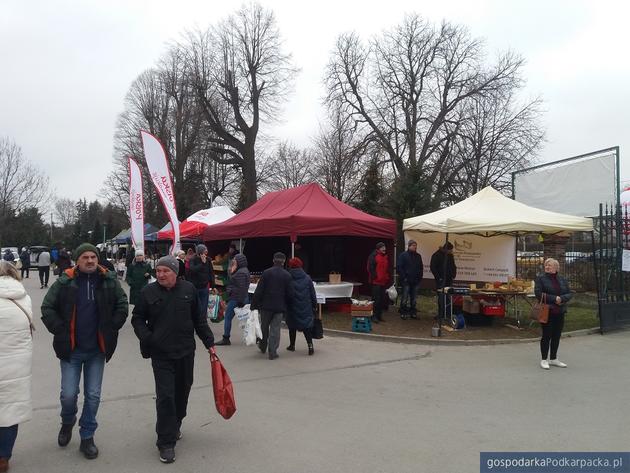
x=443, y=294
x=292, y=250
x=240, y=245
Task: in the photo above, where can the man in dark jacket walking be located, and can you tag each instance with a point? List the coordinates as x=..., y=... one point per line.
x=201, y=275
x=165, y=320
x=25, y=259
x=84, y=310
x=237, y=290
x=444, y=271
x=378, y=276
x=273, y=295
x=410, y=271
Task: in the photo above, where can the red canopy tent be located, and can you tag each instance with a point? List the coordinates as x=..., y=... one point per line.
x=302, y=211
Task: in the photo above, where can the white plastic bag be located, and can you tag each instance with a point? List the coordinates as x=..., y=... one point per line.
x=257, y=326
x=251, y=329
x=392, y=293
x=242, y=314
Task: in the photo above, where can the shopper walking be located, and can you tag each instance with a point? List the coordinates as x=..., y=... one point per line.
x=272, y=296
x=43, y=265
x=302, y=306
x=201, y=276
x=555, y=289
x=165, y=320
x=84, y=310
x=378, y=276
x=410, y=271
x=16, y=350
x=237, y=291
x=25, y=259
x=138, y=275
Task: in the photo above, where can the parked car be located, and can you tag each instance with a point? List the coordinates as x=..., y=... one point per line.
x=35, y=251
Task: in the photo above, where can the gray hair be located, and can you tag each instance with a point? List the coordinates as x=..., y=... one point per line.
x=554, y=262
x=8, y=269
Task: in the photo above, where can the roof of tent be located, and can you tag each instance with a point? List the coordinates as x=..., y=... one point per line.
x=194, y=225
x=489, y=212
x=302, y=211
x=125, y=235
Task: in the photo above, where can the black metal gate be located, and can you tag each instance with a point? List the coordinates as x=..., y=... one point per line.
x=611, y=237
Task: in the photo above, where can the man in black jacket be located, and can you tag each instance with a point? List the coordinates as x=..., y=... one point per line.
x=410, y=270
x=272, y=297
x=84, y=310
x=165, y=319
x=444, y=271
x=201, y=275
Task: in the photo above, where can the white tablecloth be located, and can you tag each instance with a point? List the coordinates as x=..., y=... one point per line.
x=324, y=290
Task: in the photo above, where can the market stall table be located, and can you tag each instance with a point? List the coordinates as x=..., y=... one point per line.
x=323, y=291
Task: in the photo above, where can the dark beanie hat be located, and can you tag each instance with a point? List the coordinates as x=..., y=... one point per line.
x=379, y=245
x=169, y=262
x=82, y=248
x=411, y=242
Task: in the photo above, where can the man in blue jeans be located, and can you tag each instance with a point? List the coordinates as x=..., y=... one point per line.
x=84, y=310
x=237, y=291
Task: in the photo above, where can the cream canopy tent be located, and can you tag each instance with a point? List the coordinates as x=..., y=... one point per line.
x=490, y=213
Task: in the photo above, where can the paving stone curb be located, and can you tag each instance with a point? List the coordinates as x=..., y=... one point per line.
x=442, y=341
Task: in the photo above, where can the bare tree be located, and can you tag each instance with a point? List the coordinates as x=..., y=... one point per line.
x=498, y=137
x=162, y=102
x=66, y=212
x=289, y=167
x=407, y=91
x=241, y=76
x=340, y=156
x=22, y=184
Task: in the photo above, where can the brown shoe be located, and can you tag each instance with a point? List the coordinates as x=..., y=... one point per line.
x=4, y=465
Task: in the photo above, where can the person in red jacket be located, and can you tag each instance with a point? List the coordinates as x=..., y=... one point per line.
x=378, y=276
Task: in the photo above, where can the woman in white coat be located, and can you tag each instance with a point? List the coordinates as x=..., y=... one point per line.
x=16, y=349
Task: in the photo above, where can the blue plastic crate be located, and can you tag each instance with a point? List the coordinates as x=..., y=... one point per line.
x=361, y=324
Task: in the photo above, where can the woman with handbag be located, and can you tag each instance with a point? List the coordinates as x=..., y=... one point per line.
x=554, y=289
x=302, y=306
x=16, y=351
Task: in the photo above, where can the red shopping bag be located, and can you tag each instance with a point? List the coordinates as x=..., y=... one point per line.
x=222, y=387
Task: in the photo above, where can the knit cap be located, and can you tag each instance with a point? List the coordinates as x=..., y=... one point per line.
x=82, y=248
x=201, y=249
x=169, y=262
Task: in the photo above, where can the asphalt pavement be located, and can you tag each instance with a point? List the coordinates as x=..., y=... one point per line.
x=355, y=406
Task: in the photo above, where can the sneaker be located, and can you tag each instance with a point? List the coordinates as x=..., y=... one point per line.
x=291, y=348
x=273, y=356
x=558, y=363
x=262, y=347
x=167, y=455
x=65, y=434
x=311, y=349
x=223, y=342
x=544, y=364
x=88, y=448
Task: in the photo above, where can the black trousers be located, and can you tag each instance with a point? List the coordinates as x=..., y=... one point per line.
x=307, y=336
x=173, y=380
x=378, y=298
x=24, y=270
x=551, y=332
x=44, y=274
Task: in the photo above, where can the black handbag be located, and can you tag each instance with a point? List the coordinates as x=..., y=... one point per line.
x=317, y=332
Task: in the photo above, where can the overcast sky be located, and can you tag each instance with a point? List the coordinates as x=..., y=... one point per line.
x=65, y=67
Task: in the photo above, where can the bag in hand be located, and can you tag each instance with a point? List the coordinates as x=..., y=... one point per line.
x=317, y=331
x=540, y=310
x=222, y=387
